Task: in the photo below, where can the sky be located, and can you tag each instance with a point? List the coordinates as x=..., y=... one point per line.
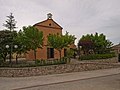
x=78, y=17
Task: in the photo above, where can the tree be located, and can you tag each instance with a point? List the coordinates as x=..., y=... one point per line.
x=86, y=43
x=97, y=42
x=20, y=41
x=33, y=38
x=101, y=43
x=10, y=22
x=59, y=42
x=10, y=25
x=5, y=39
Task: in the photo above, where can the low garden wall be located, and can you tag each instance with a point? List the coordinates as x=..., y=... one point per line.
x=55, y=69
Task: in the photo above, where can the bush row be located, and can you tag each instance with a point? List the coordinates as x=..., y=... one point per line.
x=36, y=63
x=51, y=62
x=97, y=56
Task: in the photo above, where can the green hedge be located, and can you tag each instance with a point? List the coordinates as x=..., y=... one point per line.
x=97, y=56
x=51, y=62
x=36, y=63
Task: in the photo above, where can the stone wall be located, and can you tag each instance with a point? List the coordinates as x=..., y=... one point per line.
x=55, y=69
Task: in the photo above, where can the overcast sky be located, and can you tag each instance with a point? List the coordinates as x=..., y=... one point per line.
x=78, y=17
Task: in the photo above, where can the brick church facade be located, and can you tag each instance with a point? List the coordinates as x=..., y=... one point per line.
x=48, y=26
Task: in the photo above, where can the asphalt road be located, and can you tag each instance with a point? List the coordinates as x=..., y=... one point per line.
x=105, y=79
x=109, y=82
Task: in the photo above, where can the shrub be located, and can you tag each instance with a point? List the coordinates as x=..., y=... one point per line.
x=97, y=56
x=70, y=53
x=42, y=62
x=37, y=63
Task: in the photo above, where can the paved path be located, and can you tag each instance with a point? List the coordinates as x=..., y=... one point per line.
x=109, y=82
x=29, y=82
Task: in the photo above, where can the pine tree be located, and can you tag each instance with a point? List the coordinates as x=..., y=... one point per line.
x=10, y=23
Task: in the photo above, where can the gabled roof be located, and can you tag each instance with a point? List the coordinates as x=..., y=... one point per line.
x=116, y=46
x=49, y=23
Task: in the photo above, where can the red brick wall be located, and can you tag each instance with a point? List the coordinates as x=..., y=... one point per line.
x=47, y=29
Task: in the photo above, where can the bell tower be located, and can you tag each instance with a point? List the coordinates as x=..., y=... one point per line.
x=49, y=16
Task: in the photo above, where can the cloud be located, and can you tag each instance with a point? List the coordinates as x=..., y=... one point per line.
x=75, y=16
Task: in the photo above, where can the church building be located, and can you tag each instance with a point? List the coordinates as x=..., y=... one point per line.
x=48, y=27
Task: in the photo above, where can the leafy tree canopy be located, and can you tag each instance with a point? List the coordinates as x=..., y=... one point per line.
x=6, y=37
x=60, y=41
x=97, y=42
x=32, y=37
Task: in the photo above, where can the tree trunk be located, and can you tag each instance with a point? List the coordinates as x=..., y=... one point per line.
x=17, y=59
x=4, y=57
x=35, y=54
x=79, y=52
x=10, y=58
x=60, y=54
